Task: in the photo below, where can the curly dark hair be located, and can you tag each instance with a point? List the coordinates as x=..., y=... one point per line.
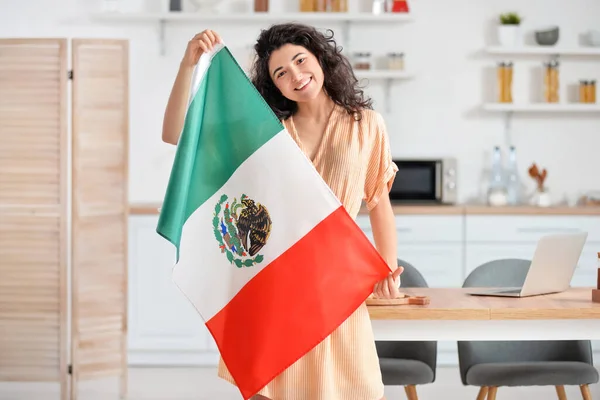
x=340, y=83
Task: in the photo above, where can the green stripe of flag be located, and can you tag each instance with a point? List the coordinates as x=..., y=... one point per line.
x=226, y=122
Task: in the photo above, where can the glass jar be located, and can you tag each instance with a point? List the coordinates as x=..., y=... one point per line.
x=336, y=5
x=322, y=5
x=551, y=82
x=591, y=91
x=308, y=5
x=396, y=61
x=378, y=7
x=583, y=91
x=362, y=61
x=261, y=5
x=505, y=78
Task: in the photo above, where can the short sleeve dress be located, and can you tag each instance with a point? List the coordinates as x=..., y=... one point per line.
x=354, y=159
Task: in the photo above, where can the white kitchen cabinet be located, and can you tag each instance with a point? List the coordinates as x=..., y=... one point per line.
x=431, y=243
x=507, y=236
x=527, y=228
x=164, y=328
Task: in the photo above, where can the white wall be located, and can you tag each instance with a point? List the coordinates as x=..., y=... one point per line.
x=436, y=114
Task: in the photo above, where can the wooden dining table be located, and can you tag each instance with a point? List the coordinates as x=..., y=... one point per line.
x=453, y=314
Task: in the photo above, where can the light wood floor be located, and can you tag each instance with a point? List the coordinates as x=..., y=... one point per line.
x=203, y=384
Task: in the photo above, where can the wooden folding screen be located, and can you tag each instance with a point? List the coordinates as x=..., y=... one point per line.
x=100, y=209
x=63, y=319
x=33, y=210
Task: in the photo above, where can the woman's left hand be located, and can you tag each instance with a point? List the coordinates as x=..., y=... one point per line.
x=388, y=288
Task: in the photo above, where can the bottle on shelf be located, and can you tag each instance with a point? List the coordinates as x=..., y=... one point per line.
x=320, y=6
x=551, y=82
x=497, y=195
x=399, y=6
x=513, y=183
x=378, y=7
x=500, y=81
x=339, y=5
x=261, y=5
x=505, y=78
x=587, y=91
x=362, y=61
x=328, y=5
x=395, y=61
x=583, y=91
x=308, y=5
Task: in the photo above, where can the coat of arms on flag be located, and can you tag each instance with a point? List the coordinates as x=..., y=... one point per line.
x=242, y=228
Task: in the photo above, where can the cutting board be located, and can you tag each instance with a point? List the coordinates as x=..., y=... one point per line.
x=405, y=300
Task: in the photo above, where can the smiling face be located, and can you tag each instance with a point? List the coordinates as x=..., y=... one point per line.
x=296, y=73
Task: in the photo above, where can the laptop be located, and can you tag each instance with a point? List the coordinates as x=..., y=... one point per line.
x=551, y=269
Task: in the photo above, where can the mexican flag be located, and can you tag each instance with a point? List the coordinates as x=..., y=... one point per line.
x=265, y=251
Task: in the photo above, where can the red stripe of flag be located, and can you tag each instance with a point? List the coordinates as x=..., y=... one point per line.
x=296, y=301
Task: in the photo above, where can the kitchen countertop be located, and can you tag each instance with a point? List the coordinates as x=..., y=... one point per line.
x=152, y=208
x=456, y=304
x=453, y=315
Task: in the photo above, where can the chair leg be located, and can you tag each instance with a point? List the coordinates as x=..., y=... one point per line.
x=560, y=391
x=585, y=392
x=492, y=393
x=482, y=393
x=411, y=392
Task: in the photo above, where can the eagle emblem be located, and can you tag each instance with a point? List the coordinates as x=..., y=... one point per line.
x=242, y=229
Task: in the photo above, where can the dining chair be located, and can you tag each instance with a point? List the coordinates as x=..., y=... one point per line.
x=411, y=363
x=492, y=364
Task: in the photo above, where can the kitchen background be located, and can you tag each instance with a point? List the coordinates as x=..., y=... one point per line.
x=439, y=112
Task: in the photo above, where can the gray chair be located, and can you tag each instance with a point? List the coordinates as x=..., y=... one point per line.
x=491, y=364
x=408, y=363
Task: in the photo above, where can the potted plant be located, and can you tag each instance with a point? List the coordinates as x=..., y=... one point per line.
x=509, y=30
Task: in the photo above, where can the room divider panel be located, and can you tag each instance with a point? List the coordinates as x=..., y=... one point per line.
x=63, y=210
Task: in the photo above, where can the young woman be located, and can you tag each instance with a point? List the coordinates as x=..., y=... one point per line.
x=311, y=87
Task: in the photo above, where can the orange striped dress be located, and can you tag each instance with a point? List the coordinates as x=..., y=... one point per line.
x=354, y=159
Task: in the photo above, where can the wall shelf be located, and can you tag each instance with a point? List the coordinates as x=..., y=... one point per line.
x=251, y=17
x=544, y=50
x=346, y=18
x=509, y=109
x=388, y=76
x=383, y=74
x=541, y=107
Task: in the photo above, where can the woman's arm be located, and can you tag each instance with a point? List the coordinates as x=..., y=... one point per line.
x=383, y=225
x=177, y=105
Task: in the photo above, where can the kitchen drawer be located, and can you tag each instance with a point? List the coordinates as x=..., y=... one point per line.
x=423, y=228
x=509, y=228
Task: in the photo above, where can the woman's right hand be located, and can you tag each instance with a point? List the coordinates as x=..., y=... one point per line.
x=201, y=43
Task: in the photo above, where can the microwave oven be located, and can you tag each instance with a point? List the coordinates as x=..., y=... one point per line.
x=425, y=181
